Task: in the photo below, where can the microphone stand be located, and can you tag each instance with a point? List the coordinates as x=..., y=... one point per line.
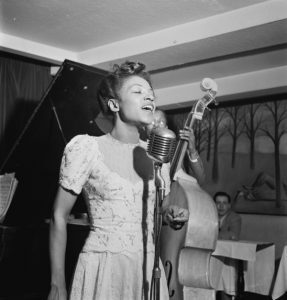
x=160, y=193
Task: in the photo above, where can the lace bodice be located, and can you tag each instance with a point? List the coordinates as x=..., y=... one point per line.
x=117, y=180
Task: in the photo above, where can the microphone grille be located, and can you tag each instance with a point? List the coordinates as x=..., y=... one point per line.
x=161, y=145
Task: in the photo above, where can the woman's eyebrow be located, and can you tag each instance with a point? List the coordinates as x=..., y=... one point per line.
x=140, y=85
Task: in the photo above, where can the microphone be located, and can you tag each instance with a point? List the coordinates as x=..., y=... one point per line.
x=161, y=145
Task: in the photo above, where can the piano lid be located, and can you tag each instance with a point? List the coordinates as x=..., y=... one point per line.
x=69, y=107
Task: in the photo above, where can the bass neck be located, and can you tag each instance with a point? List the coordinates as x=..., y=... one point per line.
x=180, y=150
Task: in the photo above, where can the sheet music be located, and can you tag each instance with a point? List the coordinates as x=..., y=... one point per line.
x=8, y=185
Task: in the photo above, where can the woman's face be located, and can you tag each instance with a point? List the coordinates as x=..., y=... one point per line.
x=136, y=103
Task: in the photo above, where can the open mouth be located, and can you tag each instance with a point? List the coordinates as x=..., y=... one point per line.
x=148, y=107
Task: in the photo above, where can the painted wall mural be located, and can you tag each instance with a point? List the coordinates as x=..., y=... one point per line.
x=244, y=150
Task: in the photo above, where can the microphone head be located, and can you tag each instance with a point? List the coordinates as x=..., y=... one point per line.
x=161, y=145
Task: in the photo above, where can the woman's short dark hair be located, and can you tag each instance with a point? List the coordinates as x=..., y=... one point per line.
x=223, y=194
x=111, y=84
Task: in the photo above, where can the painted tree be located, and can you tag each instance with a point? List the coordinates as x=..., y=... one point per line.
x=278, y=112
x=252, y=123
x=219, y=130
x=209, y=134
x=200, y=133
x=235, y=128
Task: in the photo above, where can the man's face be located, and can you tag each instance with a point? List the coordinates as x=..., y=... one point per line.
x=159, y=121
x=222, y=204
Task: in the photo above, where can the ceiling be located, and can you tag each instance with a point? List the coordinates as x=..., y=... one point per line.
x=242, y=44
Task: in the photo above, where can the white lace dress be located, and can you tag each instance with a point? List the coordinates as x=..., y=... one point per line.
x=117, y=259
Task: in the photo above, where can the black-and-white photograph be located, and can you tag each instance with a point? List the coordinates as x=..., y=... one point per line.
x=143, y=150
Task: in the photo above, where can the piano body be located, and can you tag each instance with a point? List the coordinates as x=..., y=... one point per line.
x=68, y=107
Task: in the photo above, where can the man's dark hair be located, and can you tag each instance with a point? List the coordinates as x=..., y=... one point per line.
x=220, y=193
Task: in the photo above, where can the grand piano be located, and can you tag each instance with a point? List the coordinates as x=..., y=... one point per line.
x=68, y=107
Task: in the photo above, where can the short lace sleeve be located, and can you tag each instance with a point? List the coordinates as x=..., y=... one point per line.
x=166, y=177
x=77, y=161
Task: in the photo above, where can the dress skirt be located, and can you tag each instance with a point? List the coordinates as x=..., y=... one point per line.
x=110, y=276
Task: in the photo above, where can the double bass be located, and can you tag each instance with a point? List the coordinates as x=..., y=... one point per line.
x=186, y=253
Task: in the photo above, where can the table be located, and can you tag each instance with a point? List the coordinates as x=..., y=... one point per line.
x=254, y=260
x=280, y=285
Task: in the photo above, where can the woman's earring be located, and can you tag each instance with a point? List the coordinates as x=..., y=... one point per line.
x=113, y=105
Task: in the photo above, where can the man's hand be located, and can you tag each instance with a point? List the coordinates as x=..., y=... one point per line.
x=175, y=216
x=187, y=134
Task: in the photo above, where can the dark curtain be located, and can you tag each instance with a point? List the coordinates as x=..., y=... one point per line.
x=22, y=84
